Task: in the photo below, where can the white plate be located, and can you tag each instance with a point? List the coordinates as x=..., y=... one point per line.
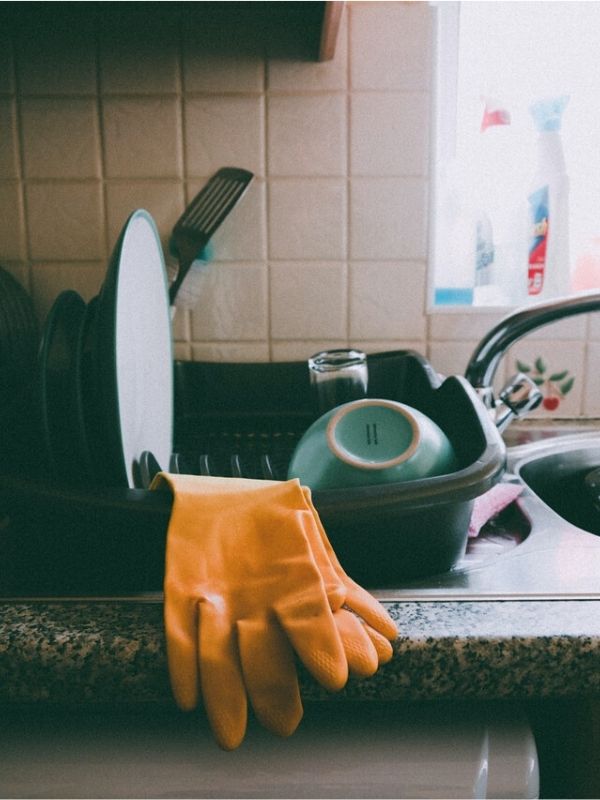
x=135, y=353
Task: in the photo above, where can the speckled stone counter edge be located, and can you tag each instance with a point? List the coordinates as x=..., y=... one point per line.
x=114, y=652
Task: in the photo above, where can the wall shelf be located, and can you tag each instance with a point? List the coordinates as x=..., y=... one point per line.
x=332, y=17
x=305, y=31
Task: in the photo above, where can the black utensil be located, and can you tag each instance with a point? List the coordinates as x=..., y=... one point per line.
x=194, y=229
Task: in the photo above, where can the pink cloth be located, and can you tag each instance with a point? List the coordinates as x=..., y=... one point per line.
x=491, y=503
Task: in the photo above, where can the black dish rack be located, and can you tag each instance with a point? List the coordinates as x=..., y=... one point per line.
x=245, y=420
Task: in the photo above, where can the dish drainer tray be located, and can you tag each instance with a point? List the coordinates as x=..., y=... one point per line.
x=244, y=420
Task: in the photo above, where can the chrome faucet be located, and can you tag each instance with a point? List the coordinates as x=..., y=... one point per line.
x=520, y=395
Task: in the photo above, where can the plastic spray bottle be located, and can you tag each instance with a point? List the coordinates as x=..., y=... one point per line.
x=548, y=259
x=500, y=236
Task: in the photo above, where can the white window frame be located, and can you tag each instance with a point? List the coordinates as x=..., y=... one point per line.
x=443, y=128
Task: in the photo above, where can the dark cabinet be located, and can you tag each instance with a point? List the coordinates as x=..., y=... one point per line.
x=305, y=31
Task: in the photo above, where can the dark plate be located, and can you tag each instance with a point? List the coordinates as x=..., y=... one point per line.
x=18, y=341
x=58, y=390
x=133, y=357
x=86, y=397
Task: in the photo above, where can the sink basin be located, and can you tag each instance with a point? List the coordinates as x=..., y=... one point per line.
x=559, y=472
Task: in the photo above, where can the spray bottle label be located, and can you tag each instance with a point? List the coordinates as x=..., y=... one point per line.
x=539, y=215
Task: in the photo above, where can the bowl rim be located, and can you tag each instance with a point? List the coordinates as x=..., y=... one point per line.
x=354, y=461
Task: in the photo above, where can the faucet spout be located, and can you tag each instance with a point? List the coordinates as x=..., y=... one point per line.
x=488, y=353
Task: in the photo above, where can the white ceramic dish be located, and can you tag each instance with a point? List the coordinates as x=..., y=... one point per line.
x=134, y=354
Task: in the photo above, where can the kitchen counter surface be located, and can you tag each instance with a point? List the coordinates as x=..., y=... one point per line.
x=114, y=652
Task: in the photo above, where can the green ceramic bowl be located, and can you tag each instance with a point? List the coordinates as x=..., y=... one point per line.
x=371, y=441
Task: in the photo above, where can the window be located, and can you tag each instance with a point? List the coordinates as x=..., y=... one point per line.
x=495, y=240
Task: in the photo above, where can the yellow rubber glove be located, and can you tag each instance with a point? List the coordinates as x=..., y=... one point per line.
x=366, y=642
x=242, y=592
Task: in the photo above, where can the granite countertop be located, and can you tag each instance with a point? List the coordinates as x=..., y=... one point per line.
x=114, y=652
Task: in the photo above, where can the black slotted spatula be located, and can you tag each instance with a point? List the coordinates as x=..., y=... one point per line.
x=196, y=226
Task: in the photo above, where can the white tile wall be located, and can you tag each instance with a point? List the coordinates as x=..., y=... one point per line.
x=593, y=326
x=47, y=151
x=222, y=131
x=12, y=227
x=222, y=316
x=389, y=133
x=142, y=137
x=556, y=357
x=388, y=218
x=307, y=135
x=310, y=302
x=307, y=218
x=65, y=221
x=328, y=247
x=396, y=313
x=9, y=157
x=591, y=389
x=390, y=46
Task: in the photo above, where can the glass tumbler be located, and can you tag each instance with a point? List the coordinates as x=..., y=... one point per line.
x=337, y=376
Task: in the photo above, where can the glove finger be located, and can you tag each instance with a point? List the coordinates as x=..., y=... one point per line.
x=360, y=650
x=270, y=675
x=334, y=588
x=370, y=609
x=182, y=654
x=384, y=649
x=309, y=624
x=221, y=681
x=356, y=598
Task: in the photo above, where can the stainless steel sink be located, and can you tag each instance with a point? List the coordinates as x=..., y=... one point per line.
x=545, y=546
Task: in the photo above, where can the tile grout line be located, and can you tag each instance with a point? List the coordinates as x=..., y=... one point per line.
x=348, y=135
x=182, y=106
x=584, y=376
x=25, y=239
x=267, y=200
x=101, y=139
x=194, y=93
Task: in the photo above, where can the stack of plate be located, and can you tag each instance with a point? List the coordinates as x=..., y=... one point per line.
x=105, y=370
x=18, y=346
x=18, y=341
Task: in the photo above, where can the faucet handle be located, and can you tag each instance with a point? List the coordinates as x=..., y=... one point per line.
x=520, y=396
